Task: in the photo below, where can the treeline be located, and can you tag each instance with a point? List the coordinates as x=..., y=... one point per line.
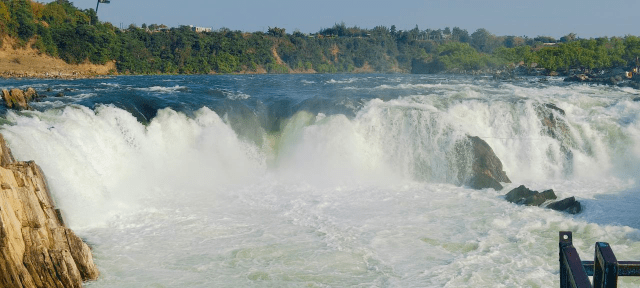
x=61, y=30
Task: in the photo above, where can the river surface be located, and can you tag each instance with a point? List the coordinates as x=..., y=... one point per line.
x=330, y=180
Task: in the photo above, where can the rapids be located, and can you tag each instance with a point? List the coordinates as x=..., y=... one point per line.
x=329, y=180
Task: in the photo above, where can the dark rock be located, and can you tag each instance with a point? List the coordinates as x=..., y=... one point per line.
x=569, y=205
x=549, y=194
x=524, y=196
x=60, y=94
x=518, y=194
x=486, y=167
x=637, y=99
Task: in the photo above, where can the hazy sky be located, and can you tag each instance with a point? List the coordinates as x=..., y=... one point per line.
x=587, y=18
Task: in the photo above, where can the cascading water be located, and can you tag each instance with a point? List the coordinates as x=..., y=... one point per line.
x=325, y=181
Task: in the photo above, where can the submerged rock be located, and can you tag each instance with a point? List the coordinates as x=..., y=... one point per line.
x=36, y=248
x=555, y=126
x=486, y=167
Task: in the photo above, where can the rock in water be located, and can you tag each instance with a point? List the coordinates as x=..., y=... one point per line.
x=486, y=167
x=569, y=205
x=18, y=99
x=36, y=249
x=523, y=196
x=555, y=126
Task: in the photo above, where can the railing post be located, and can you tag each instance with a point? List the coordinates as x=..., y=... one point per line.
x=572, y=273
x=564, y=241
x=605, y=267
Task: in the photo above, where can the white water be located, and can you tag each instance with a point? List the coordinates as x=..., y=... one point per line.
x=331, y=201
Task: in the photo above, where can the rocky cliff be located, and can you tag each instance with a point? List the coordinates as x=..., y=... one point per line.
x=36, y=248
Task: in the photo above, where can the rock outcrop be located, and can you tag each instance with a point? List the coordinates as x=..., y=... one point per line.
x=36, y=248
x=19, y=99
x=524, y=196
x=486, y=167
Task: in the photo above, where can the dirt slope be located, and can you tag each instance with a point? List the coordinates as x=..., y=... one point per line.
x=28, y=62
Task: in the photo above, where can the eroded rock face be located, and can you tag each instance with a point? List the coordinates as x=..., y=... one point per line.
x=19, y=99
x=486, y=167
x=36, y=249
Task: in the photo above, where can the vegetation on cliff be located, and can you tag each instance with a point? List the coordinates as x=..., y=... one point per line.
x=77, y=36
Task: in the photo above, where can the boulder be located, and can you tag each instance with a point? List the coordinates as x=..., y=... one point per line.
x=523, y=196
x=486, y=167
x=18, y=99
x=36, y=248
x=569, y=205
x=637, y=99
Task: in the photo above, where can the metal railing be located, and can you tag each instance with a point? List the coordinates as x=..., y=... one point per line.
x=605, y=269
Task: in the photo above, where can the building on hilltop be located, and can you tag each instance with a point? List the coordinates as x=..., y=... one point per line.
x=197, y=29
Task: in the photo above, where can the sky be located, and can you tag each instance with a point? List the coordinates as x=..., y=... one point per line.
x=555, y=18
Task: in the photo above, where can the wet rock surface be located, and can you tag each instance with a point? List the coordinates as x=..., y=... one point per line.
x=524, y=196
x=486, y=167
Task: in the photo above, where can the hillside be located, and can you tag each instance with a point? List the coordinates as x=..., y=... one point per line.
x=29, y=62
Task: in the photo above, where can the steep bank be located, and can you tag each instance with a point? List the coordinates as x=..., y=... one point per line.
x=37, y=249
x=28, y=62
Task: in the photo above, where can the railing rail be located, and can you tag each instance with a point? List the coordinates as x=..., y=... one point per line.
x=605, y=269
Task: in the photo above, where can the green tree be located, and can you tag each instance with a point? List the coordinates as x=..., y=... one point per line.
x=23, y=20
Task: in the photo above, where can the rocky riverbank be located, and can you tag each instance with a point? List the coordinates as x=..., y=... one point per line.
x=37, y=249
x=614, y=77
